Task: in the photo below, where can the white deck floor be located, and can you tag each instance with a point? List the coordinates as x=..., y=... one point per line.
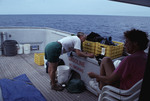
x=13, y=66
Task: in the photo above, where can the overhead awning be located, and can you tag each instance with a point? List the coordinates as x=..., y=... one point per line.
x=137, y=2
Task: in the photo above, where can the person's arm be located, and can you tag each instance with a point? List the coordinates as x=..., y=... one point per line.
x=105, y=79
x=84, y=54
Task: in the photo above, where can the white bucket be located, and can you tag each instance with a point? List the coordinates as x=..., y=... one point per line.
x=20, y=49
x=63, y=73
x=26, y=48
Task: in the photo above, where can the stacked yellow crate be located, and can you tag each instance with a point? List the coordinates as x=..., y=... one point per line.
x=88, y=46
x=109, y=50
x=39, y=58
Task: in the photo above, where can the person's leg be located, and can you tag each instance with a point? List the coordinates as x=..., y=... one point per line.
x=106, y=69
x=52, y=53
x=52, y=72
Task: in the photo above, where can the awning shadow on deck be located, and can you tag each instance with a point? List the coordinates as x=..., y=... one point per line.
x=11, y=67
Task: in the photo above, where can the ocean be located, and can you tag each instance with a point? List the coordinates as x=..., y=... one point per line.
x=106, y=26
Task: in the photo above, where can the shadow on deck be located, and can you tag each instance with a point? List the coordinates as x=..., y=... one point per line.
x=13, y=66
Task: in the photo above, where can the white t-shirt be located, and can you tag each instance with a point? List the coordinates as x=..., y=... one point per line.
x=70, y=43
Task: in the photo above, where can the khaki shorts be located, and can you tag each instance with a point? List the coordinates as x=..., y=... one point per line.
x=53, y=51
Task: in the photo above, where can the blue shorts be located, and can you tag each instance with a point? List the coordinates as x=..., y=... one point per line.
x=53, y=51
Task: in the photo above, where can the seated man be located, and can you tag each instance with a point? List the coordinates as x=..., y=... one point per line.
x=132, y=67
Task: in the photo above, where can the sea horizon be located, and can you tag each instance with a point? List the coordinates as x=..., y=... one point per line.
x=105, y=25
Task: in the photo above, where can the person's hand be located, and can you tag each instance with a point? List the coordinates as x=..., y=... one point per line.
x=91, y=55
x=91, y=74
x=97, y=79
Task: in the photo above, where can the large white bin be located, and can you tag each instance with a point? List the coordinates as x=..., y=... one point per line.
x=63, y=73
x=26, y=48
x=20, y=49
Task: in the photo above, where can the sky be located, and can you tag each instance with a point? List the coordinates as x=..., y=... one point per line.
x=84, y=7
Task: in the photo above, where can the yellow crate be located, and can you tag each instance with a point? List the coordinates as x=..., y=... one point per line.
x=88, y=50
x=89, y=43
x=88, y=46
x=39, y=58
x=110, y=50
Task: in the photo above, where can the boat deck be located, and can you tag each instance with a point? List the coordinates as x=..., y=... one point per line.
x=13, y=66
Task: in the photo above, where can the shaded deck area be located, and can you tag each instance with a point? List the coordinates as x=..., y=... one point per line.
x=13, y=66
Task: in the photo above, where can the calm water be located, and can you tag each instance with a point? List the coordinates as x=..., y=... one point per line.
x=104, y=25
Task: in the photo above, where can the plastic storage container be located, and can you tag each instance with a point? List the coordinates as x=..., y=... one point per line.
x=88, y=46
x=20, y=49
x=63, y=73
x=26, y=48
x=39, y=58
x=110, y=50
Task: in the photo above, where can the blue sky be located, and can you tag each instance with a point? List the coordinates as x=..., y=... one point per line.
x=90, y=7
